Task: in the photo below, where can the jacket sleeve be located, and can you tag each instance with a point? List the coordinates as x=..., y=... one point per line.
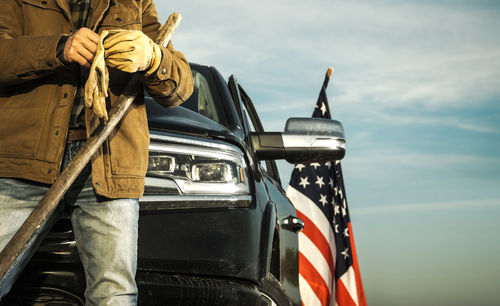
x=172, y=83
x=23, y=57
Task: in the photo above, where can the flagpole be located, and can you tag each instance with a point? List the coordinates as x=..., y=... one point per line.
x=329, y=72
x=328, y=264
x=322, y=93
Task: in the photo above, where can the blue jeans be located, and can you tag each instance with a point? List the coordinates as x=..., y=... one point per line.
x=105, y=232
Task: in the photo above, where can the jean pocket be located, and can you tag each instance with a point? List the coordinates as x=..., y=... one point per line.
x=20, y=193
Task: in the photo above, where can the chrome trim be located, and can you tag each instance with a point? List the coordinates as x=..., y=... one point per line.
x=160, y=182
x=270, y=301
x=160, y=185
x=168, y=202
x=186, y=150
x=190, y=140
x=312, y=141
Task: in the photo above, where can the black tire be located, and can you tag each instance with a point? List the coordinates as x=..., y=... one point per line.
x=272, y=292
x=38, y=296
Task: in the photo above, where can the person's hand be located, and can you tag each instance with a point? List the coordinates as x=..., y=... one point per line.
x=81, y=47
x=132, y=51
x=96, y=87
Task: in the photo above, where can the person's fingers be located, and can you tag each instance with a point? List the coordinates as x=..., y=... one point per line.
x=88, y=39
x=103, y=108
x=129, y=51
x=72, y=54
x=89, y=90
x=121, y=50
x=118, y=37
x=122, y=65
x=89, y=46
x=103, y=79
x=86, y=54
x=117, y=59
x=82, y=61
x=89, y=35
x=96, y=106
x=81, y=47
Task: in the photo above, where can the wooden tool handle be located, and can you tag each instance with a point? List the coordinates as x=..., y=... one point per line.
x=168, y=29
x=16, y=253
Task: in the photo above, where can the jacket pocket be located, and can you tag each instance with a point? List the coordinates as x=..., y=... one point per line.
x=42, y=17
x=22, y=119
x=43, y=4
x=128, y=146
x=122, y=18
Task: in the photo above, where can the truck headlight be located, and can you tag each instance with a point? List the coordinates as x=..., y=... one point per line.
x=199, y=170
x=212, y=172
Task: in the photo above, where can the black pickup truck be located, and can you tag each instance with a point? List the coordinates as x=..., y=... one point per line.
x=216, y=227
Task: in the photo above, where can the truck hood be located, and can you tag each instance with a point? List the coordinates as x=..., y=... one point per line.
x=184, y=121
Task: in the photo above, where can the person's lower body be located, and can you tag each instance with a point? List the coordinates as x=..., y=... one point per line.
x=105, y=232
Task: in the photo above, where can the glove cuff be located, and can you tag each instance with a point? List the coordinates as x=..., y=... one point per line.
x=155, y=61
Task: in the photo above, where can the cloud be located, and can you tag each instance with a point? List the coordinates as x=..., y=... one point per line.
x=463, y=122
x=399, y=158
x=432, y=54
x=425, y=207
x=391, y=58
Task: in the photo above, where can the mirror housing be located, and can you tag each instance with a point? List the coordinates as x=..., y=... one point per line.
x=305, y=140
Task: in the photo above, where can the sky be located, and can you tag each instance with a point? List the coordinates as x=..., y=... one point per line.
x=416, y=85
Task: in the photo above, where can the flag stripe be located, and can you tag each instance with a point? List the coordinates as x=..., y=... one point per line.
x=314, y=279
x=308, y=208
x=307, y=293
x=311, y=210
x=311, y=231
x=342, y=296
x=313, y=254
x=348, y=279
x=359, y=284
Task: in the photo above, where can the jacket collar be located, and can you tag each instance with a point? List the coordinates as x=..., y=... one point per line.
x=98, y=8
x=64, y=6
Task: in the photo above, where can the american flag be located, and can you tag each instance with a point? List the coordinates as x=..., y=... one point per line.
x=328, y=265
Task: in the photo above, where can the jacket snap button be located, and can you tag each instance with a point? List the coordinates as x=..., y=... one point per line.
x=57, y=133
x=48, y=171
x=34, y=154
x=65, y=94
x=118, y=19
x=164, y=70
x=44, y=2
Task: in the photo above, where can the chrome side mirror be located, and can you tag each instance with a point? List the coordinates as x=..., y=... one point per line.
x=305, y=140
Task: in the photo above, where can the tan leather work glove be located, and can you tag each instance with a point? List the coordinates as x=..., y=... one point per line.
x=96, y=87
x=132, y=51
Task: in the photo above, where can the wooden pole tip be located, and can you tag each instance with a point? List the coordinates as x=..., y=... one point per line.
x=329, y=72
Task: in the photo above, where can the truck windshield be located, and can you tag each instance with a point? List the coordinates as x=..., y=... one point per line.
x=205, y=99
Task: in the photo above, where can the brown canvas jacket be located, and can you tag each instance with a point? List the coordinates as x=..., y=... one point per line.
x=37, y=92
